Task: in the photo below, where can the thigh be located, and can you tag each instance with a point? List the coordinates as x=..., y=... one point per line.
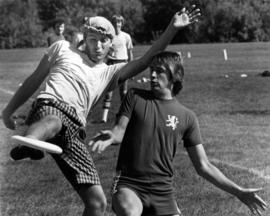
x=163, y=205
x=125, y=200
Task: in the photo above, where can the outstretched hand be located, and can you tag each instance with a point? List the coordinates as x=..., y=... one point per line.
x=186, y=17
x=254, y=202
x=101, y=141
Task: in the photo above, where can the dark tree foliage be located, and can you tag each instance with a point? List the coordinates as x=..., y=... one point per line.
x=26, y=23
x=19, y=25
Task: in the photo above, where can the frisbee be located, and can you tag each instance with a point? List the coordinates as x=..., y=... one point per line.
x=38, y=144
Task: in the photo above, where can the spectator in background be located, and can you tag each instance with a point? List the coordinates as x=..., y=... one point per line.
x=77, y=38
x=58, y=34
x=121, y=52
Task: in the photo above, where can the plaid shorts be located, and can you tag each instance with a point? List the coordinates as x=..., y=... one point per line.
x=75, y=162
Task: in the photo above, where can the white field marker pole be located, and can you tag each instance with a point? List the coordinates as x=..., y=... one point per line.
x=225, y=54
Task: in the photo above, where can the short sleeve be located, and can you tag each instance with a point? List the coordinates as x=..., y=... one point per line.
x=192, y=135
x=115, y=70
x=53, y=51
x=128, y=104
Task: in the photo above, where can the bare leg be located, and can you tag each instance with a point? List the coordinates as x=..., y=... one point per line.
x=106, y=106
x=45, y=129
x=94, y=199
x=125, y=202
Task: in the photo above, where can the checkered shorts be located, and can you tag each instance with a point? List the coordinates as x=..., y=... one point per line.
x=75, y=162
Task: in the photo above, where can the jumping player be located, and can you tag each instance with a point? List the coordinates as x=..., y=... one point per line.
x=75, y=81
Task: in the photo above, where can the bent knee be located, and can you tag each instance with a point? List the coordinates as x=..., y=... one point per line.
x=96, y=205
x=127, y=210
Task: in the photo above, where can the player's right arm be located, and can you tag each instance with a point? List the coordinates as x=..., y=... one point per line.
x=211, y=173
x=108, y=137
x=29, y=86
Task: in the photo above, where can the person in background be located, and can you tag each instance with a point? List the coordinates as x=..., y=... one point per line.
x=150, y=126
x=121, y=51
x=77, y=38
x=58, y=34
x=74, y=83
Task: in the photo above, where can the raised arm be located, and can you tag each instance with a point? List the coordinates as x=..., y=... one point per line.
x=29, y=86
x=106, y=138
x=179, y=21
x=211, y=173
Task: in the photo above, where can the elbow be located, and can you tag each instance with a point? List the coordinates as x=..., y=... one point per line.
x=203, y=169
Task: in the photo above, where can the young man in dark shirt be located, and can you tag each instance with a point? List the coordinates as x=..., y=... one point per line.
x=150, y=126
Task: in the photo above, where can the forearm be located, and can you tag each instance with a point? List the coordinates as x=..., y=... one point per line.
x=130, y=55
x=118, y=134
x=20, y=97
x=138, y=65
x=160, y=44
x=29, y=86
x=216, y=177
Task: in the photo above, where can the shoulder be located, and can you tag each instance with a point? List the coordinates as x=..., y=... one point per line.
x=126, y=35
x=61, y=43
x=58, y=46
x=190, y=114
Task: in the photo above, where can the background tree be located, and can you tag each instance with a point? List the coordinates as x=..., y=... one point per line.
x=19, y=25
x=26, y=23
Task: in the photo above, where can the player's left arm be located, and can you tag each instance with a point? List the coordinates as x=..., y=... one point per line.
x=179, y=21
x=211, y=173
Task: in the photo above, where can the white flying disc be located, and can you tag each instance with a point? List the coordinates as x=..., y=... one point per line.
x=37, y=144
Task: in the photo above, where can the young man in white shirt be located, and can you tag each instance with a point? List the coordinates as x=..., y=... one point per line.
x=75, y=81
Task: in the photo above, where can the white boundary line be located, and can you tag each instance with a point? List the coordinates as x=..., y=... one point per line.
x=7, y=91
x=253, y=171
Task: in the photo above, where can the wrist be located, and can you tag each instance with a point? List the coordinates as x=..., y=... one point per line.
x=173, y=29
x=238, y=192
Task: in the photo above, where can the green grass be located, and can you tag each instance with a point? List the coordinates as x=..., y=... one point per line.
x=233, y=112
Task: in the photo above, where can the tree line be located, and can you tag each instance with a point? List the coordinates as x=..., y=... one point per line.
x=27, y=23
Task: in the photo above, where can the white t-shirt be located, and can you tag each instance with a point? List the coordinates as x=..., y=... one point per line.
x=77, y=81
x=120, y=45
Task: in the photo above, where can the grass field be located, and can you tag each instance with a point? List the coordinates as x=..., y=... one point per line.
x=234, y=114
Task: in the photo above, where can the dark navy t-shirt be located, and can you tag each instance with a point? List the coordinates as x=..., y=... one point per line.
x=155, y=129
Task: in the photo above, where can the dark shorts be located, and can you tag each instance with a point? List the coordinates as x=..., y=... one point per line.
x=155, y=200
x=75, y=162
